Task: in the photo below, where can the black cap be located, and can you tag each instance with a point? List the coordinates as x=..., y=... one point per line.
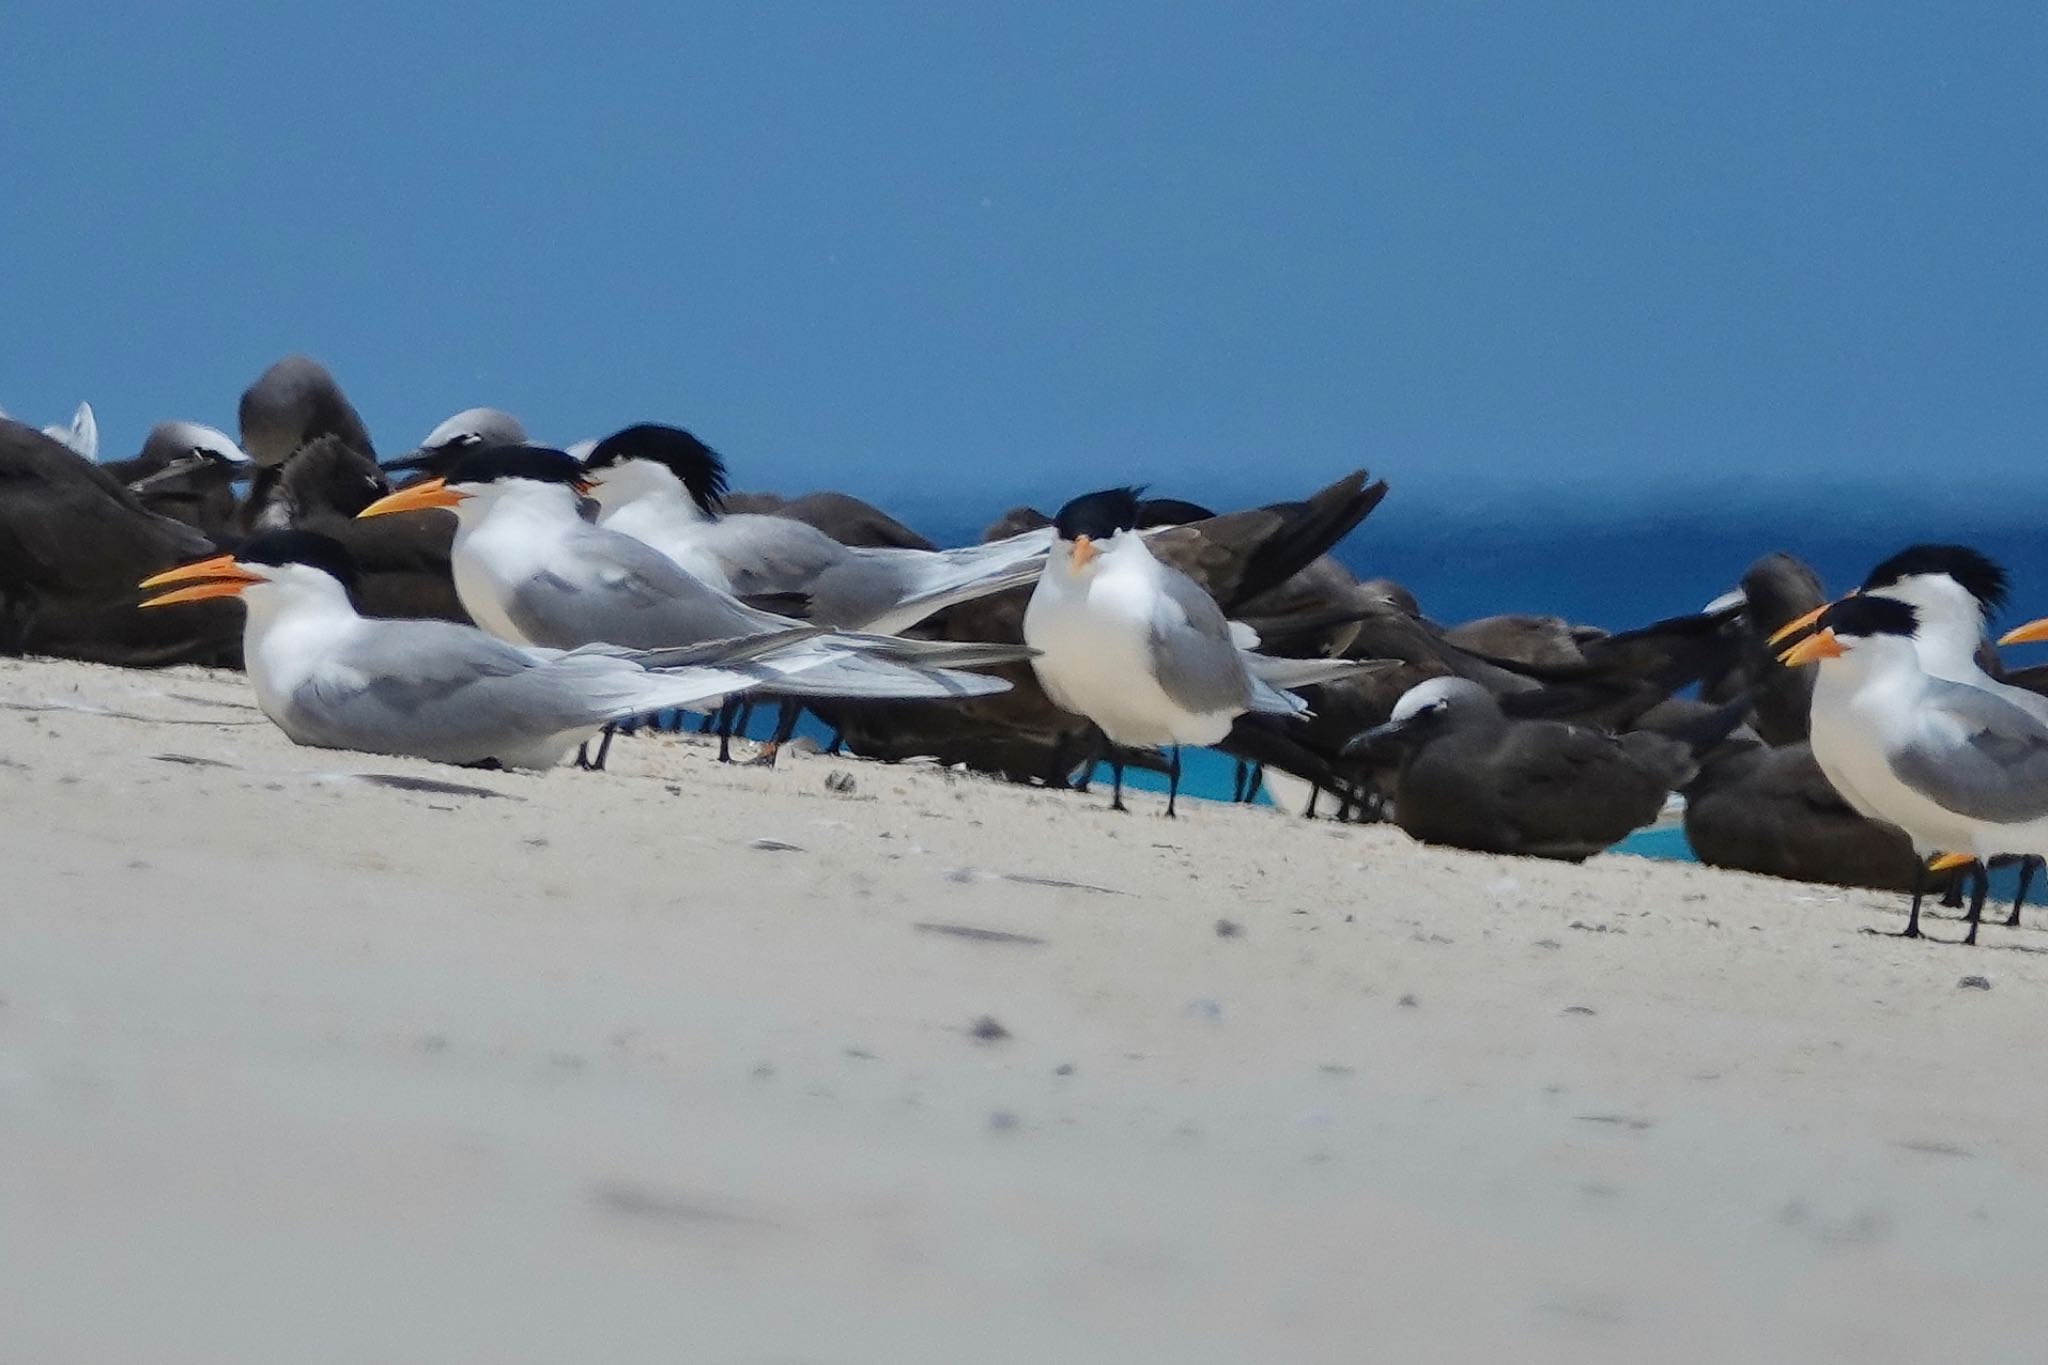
x=494, y=463
x=1098, y=515
x=310, y=548
x=1974, y=571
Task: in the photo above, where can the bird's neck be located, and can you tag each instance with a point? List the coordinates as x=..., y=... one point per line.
x=651, y=513
x=324, y=601
x=1948, y=646
x=531, y=518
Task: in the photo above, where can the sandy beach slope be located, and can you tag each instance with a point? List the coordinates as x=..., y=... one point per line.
x=679, y=1063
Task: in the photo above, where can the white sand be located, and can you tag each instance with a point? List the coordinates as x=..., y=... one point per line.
x=297, y=1068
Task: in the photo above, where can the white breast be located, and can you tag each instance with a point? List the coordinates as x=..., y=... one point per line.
x=1855, y=723
x=1093, y=632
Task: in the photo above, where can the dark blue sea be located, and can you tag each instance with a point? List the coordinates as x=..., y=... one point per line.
x=1615, y=563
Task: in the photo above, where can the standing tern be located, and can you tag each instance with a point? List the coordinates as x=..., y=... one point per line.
x=1960, y=769
x=1956, y=589
x=334, y=679
x=661, y=485
x=1141, y=650
x=1953, y=590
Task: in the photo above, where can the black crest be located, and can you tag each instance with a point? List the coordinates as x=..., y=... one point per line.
x=1098, y=515
x=493, y=463
x=1978, y=576
x=688, y=458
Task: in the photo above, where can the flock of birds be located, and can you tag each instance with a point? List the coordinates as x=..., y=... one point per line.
x=487, y=600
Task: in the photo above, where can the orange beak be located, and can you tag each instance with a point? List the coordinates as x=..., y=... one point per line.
x=415, y=497
x=227, y=581
x=1815, y=647
x=1083, y=551
x=1801, y=624
x=2026, y=634
x=1948, y=862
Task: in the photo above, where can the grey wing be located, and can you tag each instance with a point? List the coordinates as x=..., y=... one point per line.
x=1978, y=755
x=763, y=554
x=614, y=589
x=1194, y=657
x=437, y=690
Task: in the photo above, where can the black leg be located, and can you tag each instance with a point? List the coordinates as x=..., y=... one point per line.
x=838, y=742
x=1315, y=794
x=1116, y=771
x=1172, y=781
x=1912, y=929
x=1980, y=888
x=1256, y=785
x=785, y=726
x=604, y=749
x=727, y=714
x=1101, y=752
x=1238, y=776
x=2027, y=866
x=1952, y=894
x=710, y=721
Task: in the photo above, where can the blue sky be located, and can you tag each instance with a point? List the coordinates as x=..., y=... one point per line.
x=948, y=251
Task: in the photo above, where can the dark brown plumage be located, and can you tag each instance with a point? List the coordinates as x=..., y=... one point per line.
x=1771, y=810
x=74, y=546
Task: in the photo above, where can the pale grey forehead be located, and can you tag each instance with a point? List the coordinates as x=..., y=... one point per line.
x=1454, y=691
x=175, y=438
x=490, y=426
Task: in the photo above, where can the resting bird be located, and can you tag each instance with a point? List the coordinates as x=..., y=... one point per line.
x=73, y=544
x=1472, y=777
x=470, y=429
x=187, y=472
x=1772, y=810
x=333, y=679
x=531, y=570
